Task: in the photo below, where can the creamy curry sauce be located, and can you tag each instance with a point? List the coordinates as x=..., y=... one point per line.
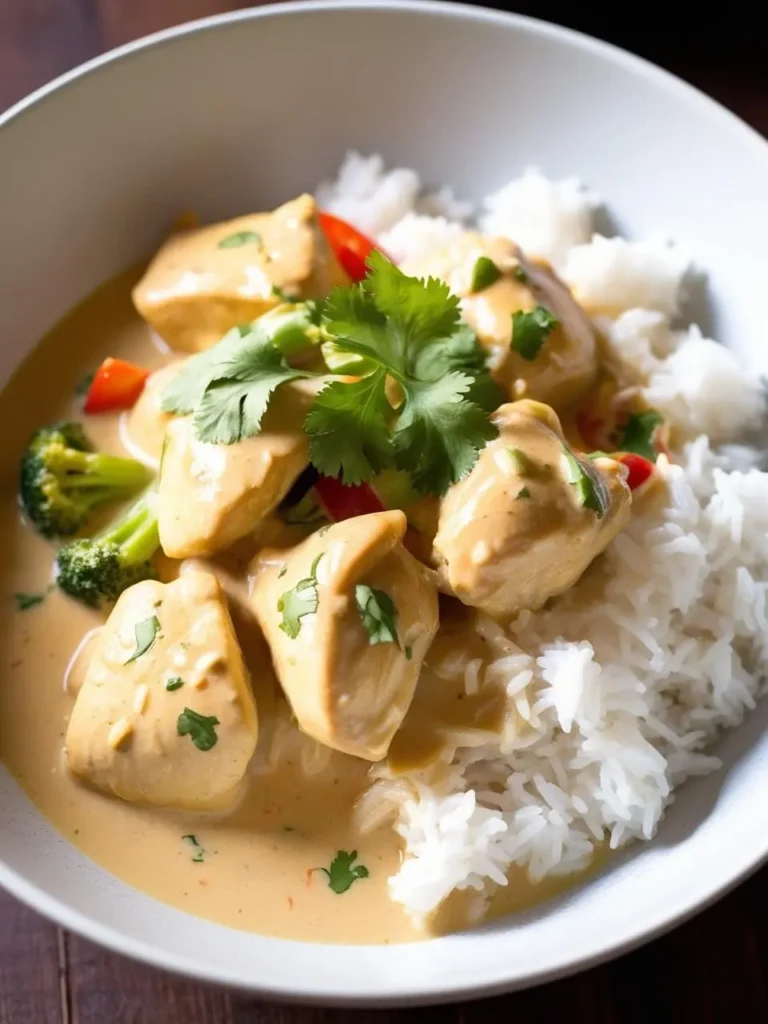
x=256, y=867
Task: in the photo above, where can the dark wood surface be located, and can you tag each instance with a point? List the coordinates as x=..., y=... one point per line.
x=711, y=970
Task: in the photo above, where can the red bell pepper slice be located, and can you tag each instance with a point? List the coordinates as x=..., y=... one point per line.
x=640, y=469
x=341, y=501
x=116, y=384
x=350, y=246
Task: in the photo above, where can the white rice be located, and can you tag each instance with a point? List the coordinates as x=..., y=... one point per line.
x=615, y=702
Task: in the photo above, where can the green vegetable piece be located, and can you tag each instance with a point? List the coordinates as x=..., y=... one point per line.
x=524, y=493
x=300, y=601
x=524, y=464
x=530, y=330
x=484, y=274
x=520, y=275
x=26, y=601
x=240, y=238
x=174, y=683
x=201, y=729
x=408, y=652
x=587, y=482
x=146, y=632
x=100, y=569
x=637, y=434
x=63, y=481
x=343, y=872
x=198, y=851
x=378, y=614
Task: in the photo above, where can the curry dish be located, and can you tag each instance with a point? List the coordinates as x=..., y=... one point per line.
x=243, y=549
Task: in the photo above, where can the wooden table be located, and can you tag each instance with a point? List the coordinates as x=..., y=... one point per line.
x=710, y=970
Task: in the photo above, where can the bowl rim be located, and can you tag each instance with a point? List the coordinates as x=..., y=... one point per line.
x=702, y=893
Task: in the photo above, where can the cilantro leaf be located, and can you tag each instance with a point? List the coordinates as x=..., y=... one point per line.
x=349, y=429
x=184, y=392
x=174, y=683
x=300, y=601
x=201, y=729
x=146, y=632
x=359, y=327
x=378, y=614
x=587, y=482
x=530, y=330
x=439, y=433
x=637, y=434
x=342, y=874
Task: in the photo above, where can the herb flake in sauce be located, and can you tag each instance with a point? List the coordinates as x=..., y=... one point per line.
x=343, y=872
x=484, y=274
x=300, y=601
x=587, y=483
x=240, y=238
x=524, y=464
x=146, y=632
x=201, y=729
x=27, y=601
x=524, y=493
x=530, y=330
x=174, y=683
x=197, y=849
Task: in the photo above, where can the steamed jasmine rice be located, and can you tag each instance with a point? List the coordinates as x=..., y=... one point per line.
x=617, y=691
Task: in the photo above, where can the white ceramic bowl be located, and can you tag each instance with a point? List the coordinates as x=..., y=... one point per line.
x=242, y=111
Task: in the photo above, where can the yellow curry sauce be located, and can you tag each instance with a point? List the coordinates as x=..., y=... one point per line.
x=255, y=867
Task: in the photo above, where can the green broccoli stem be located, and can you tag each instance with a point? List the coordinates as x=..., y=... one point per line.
x=136, y=533
x=89, y=470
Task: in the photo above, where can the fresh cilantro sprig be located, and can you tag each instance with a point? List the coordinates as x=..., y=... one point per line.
x=391, y=328
x=409, y=330
x=637, y=434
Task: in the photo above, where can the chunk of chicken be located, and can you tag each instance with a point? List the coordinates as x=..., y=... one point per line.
x=349, y=615
x=530, y=517
x=207, y=280
x=165, y=714
x=144, y=425
x=566, y=364
x=211, y=495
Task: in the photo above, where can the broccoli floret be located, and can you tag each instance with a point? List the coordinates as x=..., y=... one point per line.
x=101, y=568
x=63, y=480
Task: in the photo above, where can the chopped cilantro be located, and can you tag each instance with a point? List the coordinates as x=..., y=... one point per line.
x=201, y=729
x=174, y=683
x=342, y=874
x=378, y=614
x=146, y=633
x=197, y=849
x=302, y=600
x=520, y=275
x=530, y=330
x=587, y=483
x=637, y=434
x=282, y=572
x=524, y=493
x=283, y=296
x=26, y=601
x=240, y=238
x=408, y=651
x=484, y=274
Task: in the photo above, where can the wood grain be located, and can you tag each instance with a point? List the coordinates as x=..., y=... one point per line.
x=709, y=971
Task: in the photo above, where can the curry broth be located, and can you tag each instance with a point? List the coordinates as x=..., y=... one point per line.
x=255, y=868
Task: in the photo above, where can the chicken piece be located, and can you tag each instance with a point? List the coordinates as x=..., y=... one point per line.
x=565, y=365
x=144, y=425
x=165, y=714
x=530, y=517
x=349, y=615
x=207, y=280
x=211, y=495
